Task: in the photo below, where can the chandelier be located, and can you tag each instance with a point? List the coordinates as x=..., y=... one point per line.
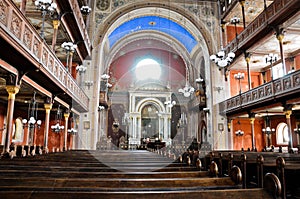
x=58, y=127
x=32, y=122
x=47, y=7
x=221, y=59
x=187, y=90
x=72, y=130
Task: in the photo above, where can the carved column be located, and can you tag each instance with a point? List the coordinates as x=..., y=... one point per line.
x=247, y=58
x=12, y=91
x=252, y=119
x=242, y=2
x=48, y=108
x=280, y=36
x=56, y=23
x=288, y=112
x=66, y=116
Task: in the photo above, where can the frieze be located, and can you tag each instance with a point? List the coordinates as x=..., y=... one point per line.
x=35, y=48
x=27, y=37
x=287, y=83
x=3, y=12
x=16, y=25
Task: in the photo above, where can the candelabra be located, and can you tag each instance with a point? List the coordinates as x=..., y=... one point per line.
x=271, y=58
x=187, y=90
x=268, y=130
x=105, y=78
x=47, y=7
x=235, y=20
x=89, y=83
x=221, y=59
x=239, y=76
x=70, y=48
x=32, y=122
x=80, y=69
x=57, y=127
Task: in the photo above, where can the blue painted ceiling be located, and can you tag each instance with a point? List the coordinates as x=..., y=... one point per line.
x=157, y=24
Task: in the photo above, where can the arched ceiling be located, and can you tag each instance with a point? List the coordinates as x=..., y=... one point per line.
x=155, y=23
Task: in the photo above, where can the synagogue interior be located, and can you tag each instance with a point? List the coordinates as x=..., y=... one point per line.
x=127, y=99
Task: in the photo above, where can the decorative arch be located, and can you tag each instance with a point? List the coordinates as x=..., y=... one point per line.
x=154, y=101
x=178, y=14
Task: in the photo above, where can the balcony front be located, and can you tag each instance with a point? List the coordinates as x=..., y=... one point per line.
x=24, y=49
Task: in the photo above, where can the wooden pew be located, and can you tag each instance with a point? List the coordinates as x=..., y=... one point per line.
x=87, y=174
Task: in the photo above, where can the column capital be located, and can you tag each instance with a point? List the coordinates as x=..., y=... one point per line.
x=288, y=114
x=48, y=106
x=242, y=2
x=12, y=91
x=247, y=56
x=66, y=115
x=252, y=119
x=280, y=37
x=56, y=23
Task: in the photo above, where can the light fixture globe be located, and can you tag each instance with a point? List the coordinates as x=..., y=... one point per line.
x=221, y=59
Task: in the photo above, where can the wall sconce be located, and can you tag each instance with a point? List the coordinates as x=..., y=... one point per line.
x=72, y=131
x=85, y=10
x=206, y=110
x=170, y=103
x=105, y=77
x=4, y=127
x=187, y=90
x=88, y=84
x=81, y=69
x=239, y=133
x=297, y=129
x=199, y=80
x=101, y=108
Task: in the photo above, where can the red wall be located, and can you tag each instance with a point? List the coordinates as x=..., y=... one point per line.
x=245, y=141
x=122, y=69
x=230, y=32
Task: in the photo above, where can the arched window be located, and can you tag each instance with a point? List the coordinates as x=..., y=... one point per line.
x=282, y=134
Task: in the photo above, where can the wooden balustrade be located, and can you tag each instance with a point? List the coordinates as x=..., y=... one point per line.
x=18, y=30
x=281, y=87
x=262, y=24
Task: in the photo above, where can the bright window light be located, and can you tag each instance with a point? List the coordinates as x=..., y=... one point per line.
x=148, y=69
